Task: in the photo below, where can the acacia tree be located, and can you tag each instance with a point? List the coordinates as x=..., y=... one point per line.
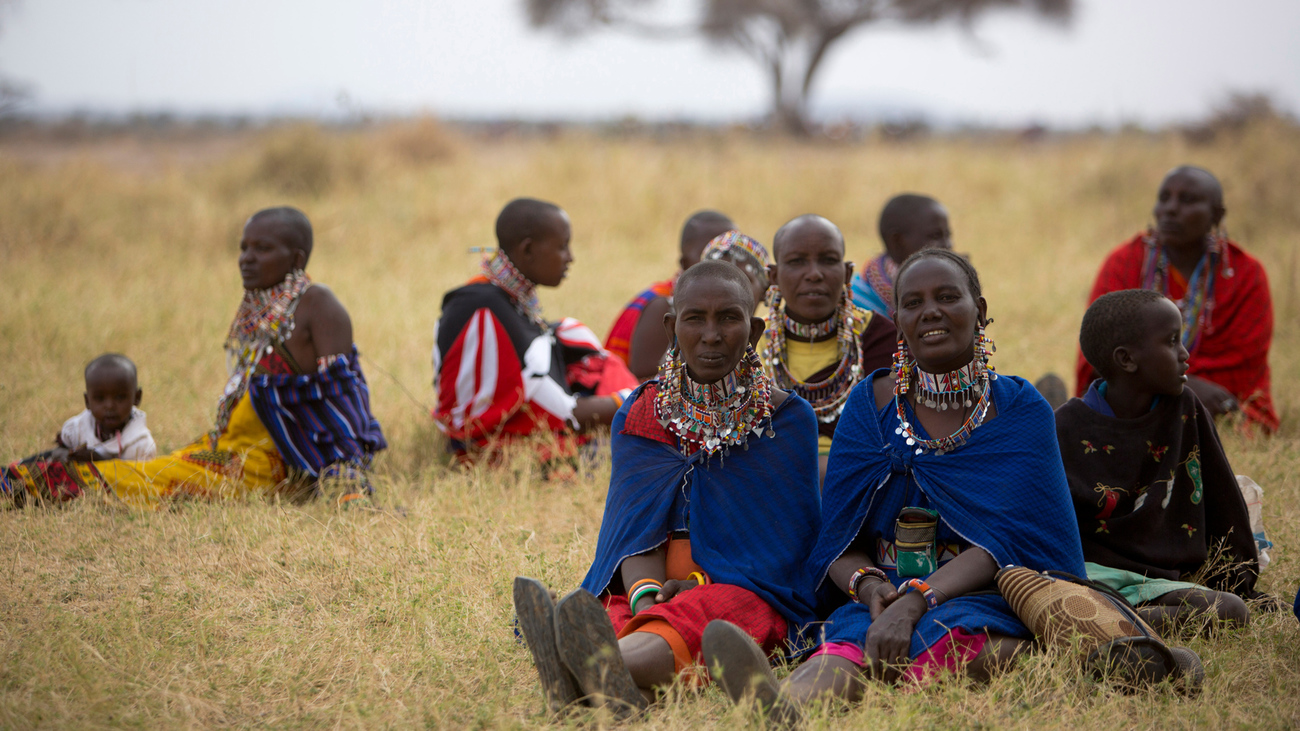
x=789, y=39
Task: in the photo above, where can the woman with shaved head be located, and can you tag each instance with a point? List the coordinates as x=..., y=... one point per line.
x=711, y=510
x=294, y=416
x=1221, y=291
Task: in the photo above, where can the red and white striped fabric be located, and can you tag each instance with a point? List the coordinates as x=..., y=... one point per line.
x=485, y=391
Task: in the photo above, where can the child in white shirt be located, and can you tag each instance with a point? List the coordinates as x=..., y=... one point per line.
x=111, y=427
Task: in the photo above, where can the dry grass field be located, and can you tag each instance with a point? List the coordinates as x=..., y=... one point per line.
x=257, y=614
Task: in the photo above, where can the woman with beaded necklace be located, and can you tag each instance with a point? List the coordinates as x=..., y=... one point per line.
x=711, y=512
x=941, y=471
x=817, y=343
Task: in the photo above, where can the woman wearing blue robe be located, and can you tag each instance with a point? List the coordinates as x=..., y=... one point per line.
x=991, y=493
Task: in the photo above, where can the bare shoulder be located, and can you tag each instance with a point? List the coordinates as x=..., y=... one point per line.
x=778, y=398
x=324, y=324
x=320, y=301
x=883, y=390
x=657, y=306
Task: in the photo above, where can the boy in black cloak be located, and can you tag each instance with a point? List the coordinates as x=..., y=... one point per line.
x=1156, y=500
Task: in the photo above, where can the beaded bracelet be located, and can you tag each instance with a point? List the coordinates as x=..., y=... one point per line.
x=700, y=578
x=861, y=574
x=931, y=601
x=647, y=589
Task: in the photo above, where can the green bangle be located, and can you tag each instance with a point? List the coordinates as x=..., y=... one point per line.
x=649, y=588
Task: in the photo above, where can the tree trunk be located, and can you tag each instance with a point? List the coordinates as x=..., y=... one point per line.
x=789, y=102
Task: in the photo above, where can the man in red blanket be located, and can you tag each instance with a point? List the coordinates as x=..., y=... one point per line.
x=638, y=334
x=1221, y=291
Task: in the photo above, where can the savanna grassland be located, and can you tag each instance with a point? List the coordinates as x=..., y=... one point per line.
x=270, y=614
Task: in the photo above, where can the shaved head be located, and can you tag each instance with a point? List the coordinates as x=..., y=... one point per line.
x=290, y=224
x=701, y=228
x=902, y=212
x=1213, y=188
x=806, y=225
x=111, y=366
x=716, y=273
x=525, y=218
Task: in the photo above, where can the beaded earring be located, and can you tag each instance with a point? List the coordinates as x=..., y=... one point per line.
x=670, y=368
x=903, y=365
x=985, y=348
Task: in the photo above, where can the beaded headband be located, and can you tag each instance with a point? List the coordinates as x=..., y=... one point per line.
x=735, y=241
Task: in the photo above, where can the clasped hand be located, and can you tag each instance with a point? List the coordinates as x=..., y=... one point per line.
x=672, y=588
x=893, y=620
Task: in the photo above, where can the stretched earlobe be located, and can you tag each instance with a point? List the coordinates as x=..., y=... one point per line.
x=756, y=327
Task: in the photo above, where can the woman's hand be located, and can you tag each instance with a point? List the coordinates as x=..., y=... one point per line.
x=889, y=640
x=672, y=588
x=877, y=595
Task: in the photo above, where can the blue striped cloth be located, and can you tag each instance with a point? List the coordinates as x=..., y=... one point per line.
x=1003, y=491
x=753, y=514
x=319, y=419
x=866, y=297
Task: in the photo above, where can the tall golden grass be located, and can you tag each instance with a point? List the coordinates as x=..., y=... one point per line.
x=250, y=614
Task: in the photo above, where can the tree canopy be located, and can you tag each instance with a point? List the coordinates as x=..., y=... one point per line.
x=789, y=39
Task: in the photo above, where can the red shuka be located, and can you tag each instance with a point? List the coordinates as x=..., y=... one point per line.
x=1236, y=335
x=619, y=341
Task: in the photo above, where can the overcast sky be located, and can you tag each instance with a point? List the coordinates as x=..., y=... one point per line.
x=1150, y=61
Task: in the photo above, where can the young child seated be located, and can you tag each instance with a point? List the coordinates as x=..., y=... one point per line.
x=1155, y=497
x=111, y=427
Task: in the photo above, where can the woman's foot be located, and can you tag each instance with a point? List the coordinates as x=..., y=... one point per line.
x=741, y=669
x=1140, y=662
x=588, y=647
x=535, y=611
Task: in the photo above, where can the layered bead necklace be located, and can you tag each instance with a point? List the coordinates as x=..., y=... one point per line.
x=1197, y=303
x=500, y=271
x=829, y=396
x=967, y=387
x=717, y=416
x=264, y=319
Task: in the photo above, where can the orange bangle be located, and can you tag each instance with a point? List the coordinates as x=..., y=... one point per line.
x=632, y=590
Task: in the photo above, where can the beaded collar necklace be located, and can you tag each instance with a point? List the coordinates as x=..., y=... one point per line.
x=500, y=271
x=264, y=319
x=716, y=416
x=812, y=333
x=1197, y=303
x=944, y=391
x=829, y=396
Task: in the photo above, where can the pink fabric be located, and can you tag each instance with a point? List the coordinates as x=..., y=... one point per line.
x=951, y=653
x=846, y=650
